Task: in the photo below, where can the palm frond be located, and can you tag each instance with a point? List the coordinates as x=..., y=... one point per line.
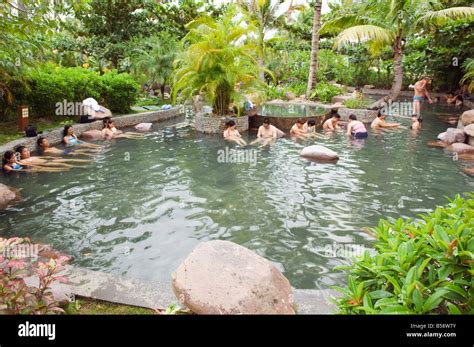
x=441, y=17
x=364, y=33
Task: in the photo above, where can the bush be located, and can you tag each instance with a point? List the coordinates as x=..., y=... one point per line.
x=16, y=297
x=272, y=92
x=357, y=103
x=120, y=91
x=50, y=84
x=325, y=92
x=298, y=88
x=418, y=267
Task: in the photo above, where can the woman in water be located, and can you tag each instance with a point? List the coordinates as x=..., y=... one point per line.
x=111, y=132
x=71, y=140
x=356, y=128
x=232, y=134
x=10, y=164
x=45, y=148
x=26, y=159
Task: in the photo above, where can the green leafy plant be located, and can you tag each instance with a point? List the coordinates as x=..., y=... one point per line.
x=217, y=63
x=324, y=92
x=418, y=267
x=357, y=103
x=120, y=91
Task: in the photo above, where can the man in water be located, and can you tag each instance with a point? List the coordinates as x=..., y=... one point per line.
x=297, y=130
x=421, y=93
x=331, y=123
x=379, y=122
x=267, y=133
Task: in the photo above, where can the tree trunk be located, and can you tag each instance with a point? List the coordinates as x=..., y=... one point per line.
x=397, y=69
x=162, y=89
x=313, y=67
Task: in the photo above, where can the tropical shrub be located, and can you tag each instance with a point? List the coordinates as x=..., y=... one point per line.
x=357, y=103
x=324, y=92
x=49, y=84
x=120, y=91
x=272, y=92
x=217, y=62
x=16, y=297
x=419, y=267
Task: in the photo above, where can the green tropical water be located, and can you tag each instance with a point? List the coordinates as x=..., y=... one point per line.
x=141, y=217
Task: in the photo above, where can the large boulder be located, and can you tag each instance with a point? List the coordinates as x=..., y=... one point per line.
x=143, y=126
x=221, y=277
x=8, y=196
x=442, y=136
x=469, y=130
x=454, y=135
x=92, y=135
x=318, y=152
x=461, y=148
x=290, y=96
x=467, y=118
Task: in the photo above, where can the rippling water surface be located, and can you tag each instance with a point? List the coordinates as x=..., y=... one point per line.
x=141, y=217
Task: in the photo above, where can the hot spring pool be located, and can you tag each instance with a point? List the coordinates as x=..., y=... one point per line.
x=141, y=217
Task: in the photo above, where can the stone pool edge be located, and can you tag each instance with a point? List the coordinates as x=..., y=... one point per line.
x=154, y=294
x=55, y=136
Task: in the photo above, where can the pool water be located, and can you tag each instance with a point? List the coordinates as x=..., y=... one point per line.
x=141, y=207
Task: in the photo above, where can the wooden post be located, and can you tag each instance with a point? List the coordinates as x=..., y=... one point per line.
x=23, y=117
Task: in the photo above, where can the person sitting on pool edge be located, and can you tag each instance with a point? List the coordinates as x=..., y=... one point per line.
x=331, y=123
x=379, y=122
x=415, y=122
x=298, y=130
x=356, y=128
x=232, y=134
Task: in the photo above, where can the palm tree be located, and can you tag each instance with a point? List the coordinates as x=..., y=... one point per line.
x=389, y=22
x=313, y=67
x=216, y=62
x=468, y=67
x=261, y=14
x=155, y=60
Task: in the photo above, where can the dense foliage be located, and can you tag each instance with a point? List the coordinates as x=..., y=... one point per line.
x=419, y=267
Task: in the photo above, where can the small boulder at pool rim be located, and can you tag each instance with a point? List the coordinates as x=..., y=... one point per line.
x=222, y=277
x=318, y=152
x=8, y=196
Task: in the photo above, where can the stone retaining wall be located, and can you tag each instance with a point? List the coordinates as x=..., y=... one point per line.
x=214, y=125
x=55, y=136
x=365, y=116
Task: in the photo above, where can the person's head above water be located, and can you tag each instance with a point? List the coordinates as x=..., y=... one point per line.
x=230, y=124
x=311, y=123
x=42, y=142
x=380, y=115
x=353, y=117
x=68, y=130
x=8, y=157
x=24, y=152
x=266, y=122
x=336, y=116
x=300, y=122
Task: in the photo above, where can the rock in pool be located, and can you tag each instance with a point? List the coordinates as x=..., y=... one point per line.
x=318, y=152
x=222, y=277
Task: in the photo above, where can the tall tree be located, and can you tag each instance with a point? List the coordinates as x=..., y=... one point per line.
x=263, y=15
x=313, y=67
x=389, y=22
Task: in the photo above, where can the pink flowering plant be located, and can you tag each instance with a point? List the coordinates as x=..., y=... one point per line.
x=16, y=296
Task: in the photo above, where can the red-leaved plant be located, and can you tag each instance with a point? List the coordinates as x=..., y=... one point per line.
x=16, y=296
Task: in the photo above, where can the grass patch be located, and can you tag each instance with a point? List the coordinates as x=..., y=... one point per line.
x=152, y=102
x=9, y=128
x=91, y=306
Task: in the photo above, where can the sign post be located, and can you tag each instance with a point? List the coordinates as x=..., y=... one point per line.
x=23, y=117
